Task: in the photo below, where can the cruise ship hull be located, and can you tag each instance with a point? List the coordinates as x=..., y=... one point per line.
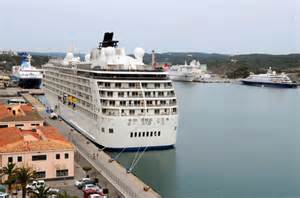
x=270, y=84
x=125, y=128
x=28, y=83
x=185, y=78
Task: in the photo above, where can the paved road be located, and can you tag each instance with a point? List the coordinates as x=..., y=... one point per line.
x=116, y=176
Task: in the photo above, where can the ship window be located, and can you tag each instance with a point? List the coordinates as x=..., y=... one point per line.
x=144, y=134
x=131, y=112
x=154, y=133
x=151, y=134
x=131, y=134
x=139, y=134
x=122, y=103
x=131, y=85
x=110, y=93
x=107, y=85
x=121, y=94
x=102, y=129
x=110, y=130
x=57, y=156
x=158, y=133
x=157, y=85
x=118, y=85
x=144, y=85
x=135, y=134
x=156, y=111
x=103, y=110
x=174, y=110
x=147, y=134
x=3, y=126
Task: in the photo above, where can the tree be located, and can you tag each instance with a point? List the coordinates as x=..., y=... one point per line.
x=86, y=170
x=10, y=171
x=42, y=192
x=24, y=175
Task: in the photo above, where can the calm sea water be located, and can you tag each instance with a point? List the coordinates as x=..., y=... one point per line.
x=234, y=141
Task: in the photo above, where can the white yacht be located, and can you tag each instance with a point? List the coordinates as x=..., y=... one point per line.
x=113, y=99
x=270, y=79
x=192, y=72
x=25, y=75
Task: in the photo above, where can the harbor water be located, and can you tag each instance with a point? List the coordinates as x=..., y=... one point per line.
x=234, y=141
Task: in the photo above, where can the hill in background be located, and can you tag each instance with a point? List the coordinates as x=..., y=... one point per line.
x=233, y=66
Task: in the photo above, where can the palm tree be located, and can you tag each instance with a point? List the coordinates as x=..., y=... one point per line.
x=41, y=192
x=10, y=171
x=65, y=195
x=24, y=175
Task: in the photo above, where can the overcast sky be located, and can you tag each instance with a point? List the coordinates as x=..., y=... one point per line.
x=221, y=26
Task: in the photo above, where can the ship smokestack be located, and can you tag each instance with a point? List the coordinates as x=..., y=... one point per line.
x=153, y=59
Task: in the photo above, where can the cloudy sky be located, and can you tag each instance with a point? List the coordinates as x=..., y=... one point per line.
x=221, y=26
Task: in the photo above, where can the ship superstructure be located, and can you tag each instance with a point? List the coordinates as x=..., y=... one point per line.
x=25, y=75
x=192, y=72
x=271, y=79
x=115, y=100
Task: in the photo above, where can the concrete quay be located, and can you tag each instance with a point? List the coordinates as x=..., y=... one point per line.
x=126, y=183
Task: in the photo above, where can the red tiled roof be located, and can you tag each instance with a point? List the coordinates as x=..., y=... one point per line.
x=43, y=139
x=25, y=113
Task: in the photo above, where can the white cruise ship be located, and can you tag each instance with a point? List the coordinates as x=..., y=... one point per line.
x=192, y=72
x=270, y=79
x=25, y=75
x=115, y=100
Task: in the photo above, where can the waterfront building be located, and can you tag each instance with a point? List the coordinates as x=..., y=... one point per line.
x=21, y=116
x=44, y=149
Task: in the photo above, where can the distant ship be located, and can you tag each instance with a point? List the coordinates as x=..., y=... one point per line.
x=192, y=72
x=270, y=79
x=115, y=100
x=25, y=75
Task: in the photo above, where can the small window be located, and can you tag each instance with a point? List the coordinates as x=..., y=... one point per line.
x=158, y=133
x=144, y=134
x=3, y=126
x=39, y=157
x=103, y=130
x=147, y=134
x=57, y=156
x=62, y=173
x=110, y=130
x=19, y=158
x=10, y=159
x=154, y=133
x=19, y=125
x=66, y=155
x=40, y=174
x=131, y=134
x=135, y=134
x=151, y=134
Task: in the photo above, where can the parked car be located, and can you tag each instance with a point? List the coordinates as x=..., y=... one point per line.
x=82, y=182
x=91, y=187
x=35, y=184
x=53, y=116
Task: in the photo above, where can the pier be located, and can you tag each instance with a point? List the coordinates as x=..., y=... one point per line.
x=126, y=183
